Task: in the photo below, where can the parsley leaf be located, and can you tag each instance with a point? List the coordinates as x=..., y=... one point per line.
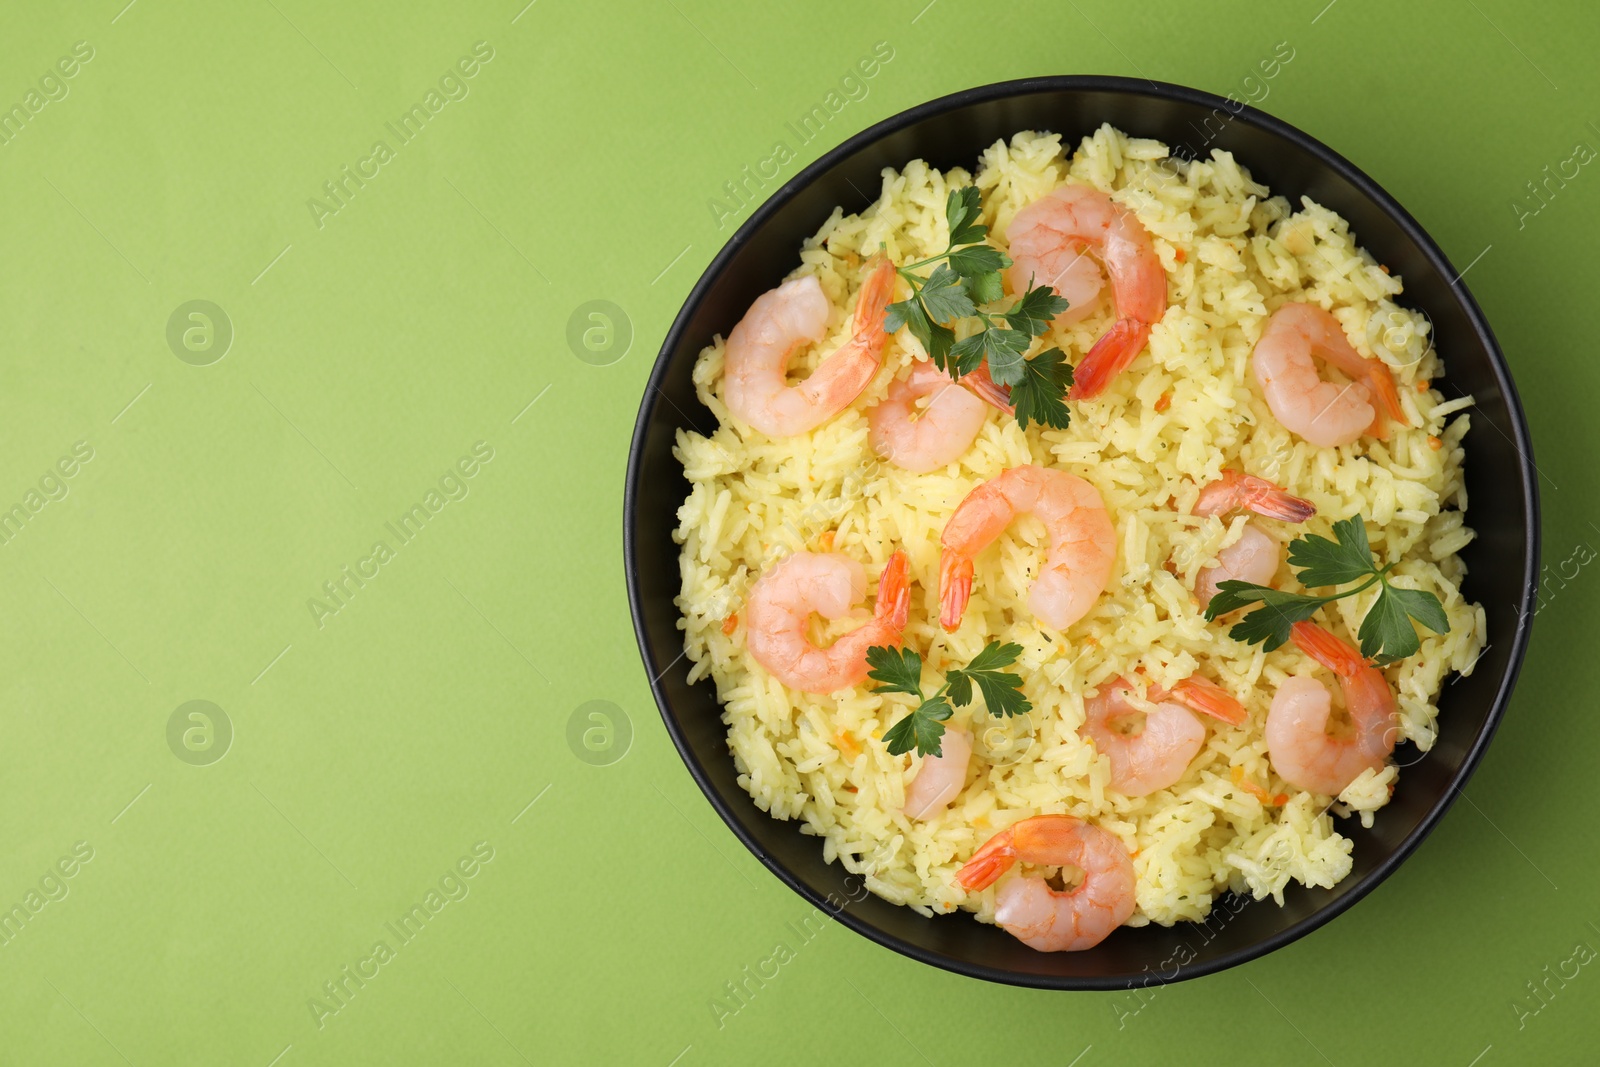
x=943, y=338
x=1041, y=395
x=994, y=656
x=944, y=298
x=900, y=671
x=936, y=339
x=1324, y=562
x=1386, y=633
x=922, y=729
x=985, y=288
x=1422, y=606
x=975, y=260
x=1269, y=624
x=966, y=354
x=1035, y=310
x=1004, y=349
x=1002, y=690
x=907, y=313
x=1387, y=630
x=961, y=209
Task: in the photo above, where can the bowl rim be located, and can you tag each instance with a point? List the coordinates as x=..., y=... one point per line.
x=1366, y=186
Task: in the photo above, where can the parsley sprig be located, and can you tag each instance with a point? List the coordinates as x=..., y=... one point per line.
x=1386, y=634
x=968, y=278
x=900, y=671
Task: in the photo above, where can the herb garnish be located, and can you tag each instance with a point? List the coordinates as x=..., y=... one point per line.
x=968, y=278
x=900, y=669
x=1386, y=633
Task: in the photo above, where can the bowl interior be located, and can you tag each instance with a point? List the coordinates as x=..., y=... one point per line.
x=952, y=132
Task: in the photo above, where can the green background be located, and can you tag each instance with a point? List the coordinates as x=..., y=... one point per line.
x=372, y=752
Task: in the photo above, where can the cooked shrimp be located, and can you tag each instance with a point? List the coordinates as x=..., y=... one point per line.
x=1302, y=751
x=1322, y=412
x=941, y=778
x=938, y=434
x=795, y=313
x=1253, y=558
x=1049, y=244
x=829, y=584
x=1043, y=918
x=1041, y=255
x=1082, y=542
x=1151, y=759
x=1236, y=489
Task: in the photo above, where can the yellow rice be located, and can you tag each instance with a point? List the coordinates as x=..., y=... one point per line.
x=1232, y=253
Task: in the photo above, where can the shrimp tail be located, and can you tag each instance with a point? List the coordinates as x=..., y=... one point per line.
x=1208, y=698
x=955, y=588
x=1108, y=358
x=1236, y=489
x=893, y=605
x=1382, y=383
x=1375, y=374
x=874, y=300
x=1369, y=696
x=986, y=388
x=988, y=863
x=1031, y=840
x=844, y=375
x=1341, y=658
x=1264, y=498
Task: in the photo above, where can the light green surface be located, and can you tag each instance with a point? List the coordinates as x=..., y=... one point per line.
x=374, y=752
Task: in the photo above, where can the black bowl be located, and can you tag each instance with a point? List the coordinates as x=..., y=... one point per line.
x=1503, y=561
